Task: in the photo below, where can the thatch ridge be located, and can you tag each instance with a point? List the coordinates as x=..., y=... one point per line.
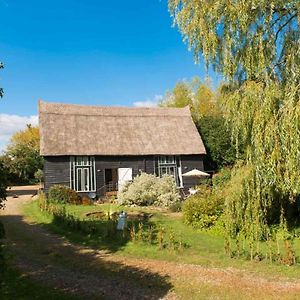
x=112, y=111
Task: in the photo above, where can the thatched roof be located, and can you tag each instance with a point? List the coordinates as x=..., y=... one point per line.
x=97, y=130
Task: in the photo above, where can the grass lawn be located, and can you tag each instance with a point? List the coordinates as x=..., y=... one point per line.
x=201, y=247
x=16, y=286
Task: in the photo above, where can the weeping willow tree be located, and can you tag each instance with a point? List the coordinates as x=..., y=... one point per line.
x=255, y=44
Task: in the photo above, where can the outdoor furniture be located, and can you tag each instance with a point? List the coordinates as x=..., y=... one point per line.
x=195, y=173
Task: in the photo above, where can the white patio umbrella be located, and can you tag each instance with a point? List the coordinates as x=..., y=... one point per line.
x=195, y=173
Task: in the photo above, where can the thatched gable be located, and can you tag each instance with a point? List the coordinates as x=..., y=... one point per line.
x=97, y=130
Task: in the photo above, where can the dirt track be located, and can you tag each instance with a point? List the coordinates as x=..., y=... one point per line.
x=93, y=274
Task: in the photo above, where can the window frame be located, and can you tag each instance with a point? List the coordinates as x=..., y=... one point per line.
x=168, y=162
x=85, y=165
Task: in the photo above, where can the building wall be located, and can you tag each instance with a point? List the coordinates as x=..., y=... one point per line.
x=56, y=171
x=137, y=163
x=57, y=168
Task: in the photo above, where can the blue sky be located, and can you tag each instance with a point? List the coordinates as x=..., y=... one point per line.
x=88, y=52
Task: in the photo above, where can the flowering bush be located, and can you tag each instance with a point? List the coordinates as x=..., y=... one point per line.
x=147, y=189
x=167, y=193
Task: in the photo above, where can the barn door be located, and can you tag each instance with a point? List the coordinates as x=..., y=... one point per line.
x=124, y=175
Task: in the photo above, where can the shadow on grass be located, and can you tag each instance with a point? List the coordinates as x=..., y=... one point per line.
x=14, y=285
x=78, y=270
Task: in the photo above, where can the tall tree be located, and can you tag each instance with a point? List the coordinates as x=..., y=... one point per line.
x=22, y=156
x=255, y=45
x=208, y=117
x=180, y=96
x=199, y=96
x=242, y=39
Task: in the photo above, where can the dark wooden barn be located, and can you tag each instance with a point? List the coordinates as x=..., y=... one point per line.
x=96, y=149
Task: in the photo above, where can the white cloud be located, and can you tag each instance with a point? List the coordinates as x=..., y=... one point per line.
x=10, y=124
x=149, y=102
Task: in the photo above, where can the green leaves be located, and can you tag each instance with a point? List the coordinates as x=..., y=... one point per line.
x=240, y=39
x=217, y=139
x=255, y=45
x=22, y=157
x=208, y=117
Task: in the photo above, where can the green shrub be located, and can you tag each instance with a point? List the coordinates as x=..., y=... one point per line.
x=166, y=191
x=39, y=175
x=222, y=178
x=176, y=207
x=202, y=210
x=147, y=189
x=63, y=194
x=140, y=191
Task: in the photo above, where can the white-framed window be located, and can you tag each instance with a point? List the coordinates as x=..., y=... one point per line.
x=82, y=173
x=171, y=165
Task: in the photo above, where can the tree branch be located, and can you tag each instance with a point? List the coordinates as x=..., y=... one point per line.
x=285, y=24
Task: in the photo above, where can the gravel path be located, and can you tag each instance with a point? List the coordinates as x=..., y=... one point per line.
x=94, y=274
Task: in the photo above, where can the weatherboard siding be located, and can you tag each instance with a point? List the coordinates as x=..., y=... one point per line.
x=56, y=171
x=57, y=168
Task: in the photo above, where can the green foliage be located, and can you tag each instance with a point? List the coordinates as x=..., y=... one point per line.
x=105, y=227
x=63, y=194
x=180, y=96
x=176, y=207
x=147, y=189
x=208, y=117
x=217, y=140
x=43, y=201
x=254, y=44
x=203, y=209
x=39, y=175
x=193, y=245
x=242, y=39
x=3, y=183
x=221, y=178
x=201, y=99
x=22, y=157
